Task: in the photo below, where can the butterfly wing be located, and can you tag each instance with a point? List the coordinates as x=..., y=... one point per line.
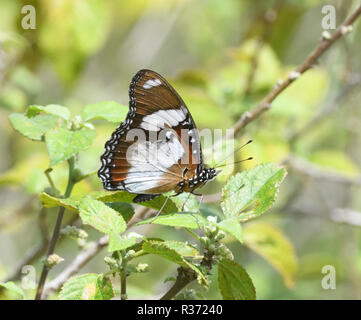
x=151, y=164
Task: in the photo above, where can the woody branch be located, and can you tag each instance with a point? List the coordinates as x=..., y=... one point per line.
x=326, y=42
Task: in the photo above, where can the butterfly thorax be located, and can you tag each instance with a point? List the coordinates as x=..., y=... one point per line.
x=190, y=183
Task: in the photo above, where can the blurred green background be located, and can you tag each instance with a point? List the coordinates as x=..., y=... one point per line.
x=222, y=57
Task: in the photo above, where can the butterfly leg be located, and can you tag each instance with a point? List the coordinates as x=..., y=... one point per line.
x=199, y=207
x=200, y=202
x=160, y=210
x=184, y=203
x=186, y=200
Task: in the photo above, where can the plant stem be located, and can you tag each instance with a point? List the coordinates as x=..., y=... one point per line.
x=56, y=231
x=86, y=255
x=185, y=276
x=310, y=61
x=123, y=285
x=51, y=182
x=123, y=274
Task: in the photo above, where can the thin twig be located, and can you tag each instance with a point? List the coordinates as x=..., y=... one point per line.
x=56, y=231
x=123, y=283
x=51, y=182
x=85, y=256
x=326, y=42
x=185, y=276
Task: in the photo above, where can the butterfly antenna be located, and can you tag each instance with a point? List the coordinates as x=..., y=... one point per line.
x=228, y=164
x=233, y=152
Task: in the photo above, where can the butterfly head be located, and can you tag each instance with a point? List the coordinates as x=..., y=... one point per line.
x=196, y=181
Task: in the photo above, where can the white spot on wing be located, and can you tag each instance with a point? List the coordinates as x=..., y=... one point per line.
x=151, y=83
x=158, y=119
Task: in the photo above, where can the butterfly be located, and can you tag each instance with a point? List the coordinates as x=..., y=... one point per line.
x=157, y=148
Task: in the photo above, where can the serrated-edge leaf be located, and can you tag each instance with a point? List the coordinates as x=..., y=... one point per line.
x=101, y=217
x=162, y=250
x=49, y=201
x=186, y=202
x=121, y=242
x=38, y=125
x=123, y=196
x=249, y=201
x=72, y=203
x=53, y=109
x=62, y=143
x=125, y=209
x=234, y=282
x=88, y=286
x=184, y=249
x=185, y=220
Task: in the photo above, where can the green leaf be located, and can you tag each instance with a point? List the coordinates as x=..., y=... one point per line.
x=250, y=193
x=186, y=200
x=49, y=201
x=118, y=242
x=63, y=143
x=232, y=226
x=273, y=245
x=90, y=286
x=125, y=209
x=108, y=110
x=165, y=251
x=122, y=196
x=11, y=286
x=53, y=109
x=161, y=249
x=184, y=249
x=72, y=203
x=185, y=220
x=34, y=128
x=101, y=217
x=234, y=282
